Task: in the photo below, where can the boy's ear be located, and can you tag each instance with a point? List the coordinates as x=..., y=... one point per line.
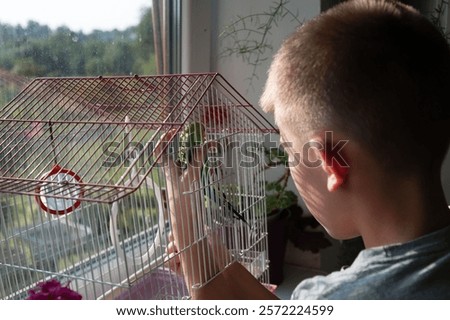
x=335, y=167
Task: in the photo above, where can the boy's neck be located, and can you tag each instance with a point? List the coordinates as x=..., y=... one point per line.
x=407, y=211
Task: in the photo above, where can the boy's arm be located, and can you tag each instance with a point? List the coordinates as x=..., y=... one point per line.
x=206, y=263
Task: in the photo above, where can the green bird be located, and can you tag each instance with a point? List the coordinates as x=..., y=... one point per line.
x=192, y=136
x=219, y=198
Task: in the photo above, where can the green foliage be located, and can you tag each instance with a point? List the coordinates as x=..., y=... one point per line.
x=276, y=156
x=5, y=213
x=277, y=194
x=36, y=50
x=278, y=197
x=145, y=37
x=192, y=136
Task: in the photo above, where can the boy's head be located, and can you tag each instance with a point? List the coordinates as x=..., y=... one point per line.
x=376, y=71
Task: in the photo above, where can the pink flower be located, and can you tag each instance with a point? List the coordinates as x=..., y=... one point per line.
x=53, y=290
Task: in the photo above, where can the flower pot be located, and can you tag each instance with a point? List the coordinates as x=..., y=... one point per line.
x=277, y=223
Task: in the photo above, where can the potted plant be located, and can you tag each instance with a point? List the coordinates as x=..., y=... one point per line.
x=285, y=218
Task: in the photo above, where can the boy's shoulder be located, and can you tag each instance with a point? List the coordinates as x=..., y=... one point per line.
x=414, y=270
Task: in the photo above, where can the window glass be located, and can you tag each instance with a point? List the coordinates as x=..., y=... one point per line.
x=86, y=38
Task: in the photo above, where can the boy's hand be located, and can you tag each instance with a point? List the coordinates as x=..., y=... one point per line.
x=173, y=262
x=183, y=194
x=189, y=248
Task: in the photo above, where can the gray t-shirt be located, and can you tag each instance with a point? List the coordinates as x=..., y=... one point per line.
x=419, y=269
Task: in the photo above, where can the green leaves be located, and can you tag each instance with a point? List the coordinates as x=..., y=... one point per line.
x=277, y=194
x=276, y=156
x=37, y=50
x=192, y=136
x=277, y=197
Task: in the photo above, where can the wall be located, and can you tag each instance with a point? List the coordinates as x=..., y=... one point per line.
x=205, y=20
x=234, y=68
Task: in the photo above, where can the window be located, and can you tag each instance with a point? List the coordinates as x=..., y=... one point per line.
x=33, y=45
x=40, y=39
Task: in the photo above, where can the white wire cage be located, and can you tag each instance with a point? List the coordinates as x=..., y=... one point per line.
x=82, y=194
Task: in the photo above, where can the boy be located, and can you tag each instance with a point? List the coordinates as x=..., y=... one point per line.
x=372, y=77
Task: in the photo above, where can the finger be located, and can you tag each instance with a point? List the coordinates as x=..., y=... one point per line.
x=160, y=149
x=163, y=157
x=172, y=248
x=173, y=259
x=173, y=262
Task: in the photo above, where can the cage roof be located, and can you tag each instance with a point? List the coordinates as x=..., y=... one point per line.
x=72, y=126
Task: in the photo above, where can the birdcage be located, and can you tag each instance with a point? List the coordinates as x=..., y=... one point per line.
x=83, y=188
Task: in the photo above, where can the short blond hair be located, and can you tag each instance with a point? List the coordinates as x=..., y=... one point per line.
x=377, y=70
